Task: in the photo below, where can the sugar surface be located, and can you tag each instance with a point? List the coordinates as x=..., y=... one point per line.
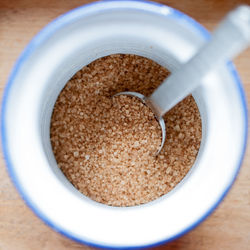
x=105, y=145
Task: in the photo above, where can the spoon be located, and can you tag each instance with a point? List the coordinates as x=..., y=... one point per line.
x=230, y=38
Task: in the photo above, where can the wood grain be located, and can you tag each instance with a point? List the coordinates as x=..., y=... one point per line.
x=227, y=228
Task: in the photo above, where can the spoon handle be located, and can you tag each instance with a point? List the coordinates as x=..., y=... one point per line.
x=230, y=38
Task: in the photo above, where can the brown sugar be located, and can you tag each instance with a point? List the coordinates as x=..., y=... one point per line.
x=106, y=145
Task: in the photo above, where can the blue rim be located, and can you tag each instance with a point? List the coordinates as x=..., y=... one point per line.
x=35, y=42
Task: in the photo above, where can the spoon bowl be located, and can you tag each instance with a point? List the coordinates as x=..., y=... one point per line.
x=160, y=120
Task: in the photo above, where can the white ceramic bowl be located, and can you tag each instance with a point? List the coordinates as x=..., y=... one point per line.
x=51, y=59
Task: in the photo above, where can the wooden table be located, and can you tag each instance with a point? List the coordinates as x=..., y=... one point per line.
x=227, y=228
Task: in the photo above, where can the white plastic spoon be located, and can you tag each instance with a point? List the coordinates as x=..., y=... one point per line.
x=230, y=38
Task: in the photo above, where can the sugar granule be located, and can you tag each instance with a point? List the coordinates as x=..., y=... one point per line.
x=105, y=145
